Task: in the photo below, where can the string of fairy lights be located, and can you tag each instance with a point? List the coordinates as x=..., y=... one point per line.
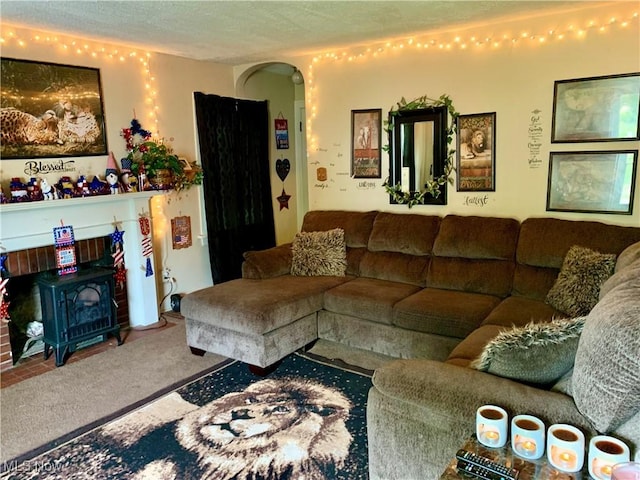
x=451, y=42
x=429, y=42
x=26, y=39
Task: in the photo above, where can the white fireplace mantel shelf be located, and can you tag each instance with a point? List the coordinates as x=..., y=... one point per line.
x=30, y=225
x=85, y=201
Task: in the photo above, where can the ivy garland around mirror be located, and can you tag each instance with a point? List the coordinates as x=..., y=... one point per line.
x=432, y=187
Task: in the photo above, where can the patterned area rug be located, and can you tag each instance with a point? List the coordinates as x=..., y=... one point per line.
x=305, y=420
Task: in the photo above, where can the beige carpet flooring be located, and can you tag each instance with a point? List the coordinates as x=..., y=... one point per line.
x=43, y=408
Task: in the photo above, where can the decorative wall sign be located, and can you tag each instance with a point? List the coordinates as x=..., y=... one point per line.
x=366, y=133
x=282, y=133
x=117, y=252
x=64, y=243
x=601, y=182
x=596, y=109
x=535, y=139
x=283, y=167
x=476, y=152
x=59, y=112
x=147, y=247
x=283, y=200
x=181, y=232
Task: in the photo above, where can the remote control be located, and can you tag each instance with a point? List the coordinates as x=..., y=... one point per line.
x=484, y=468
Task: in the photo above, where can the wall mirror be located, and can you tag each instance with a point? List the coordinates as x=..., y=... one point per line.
x=418, y=153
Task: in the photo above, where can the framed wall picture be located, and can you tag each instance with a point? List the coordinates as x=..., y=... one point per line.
x=51, y=110
x=476, y=152
x=598, y=182
x=181, y=232
x=366, y=134
x=596, y=109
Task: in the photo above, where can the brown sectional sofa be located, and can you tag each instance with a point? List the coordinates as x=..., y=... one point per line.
x=416, y=287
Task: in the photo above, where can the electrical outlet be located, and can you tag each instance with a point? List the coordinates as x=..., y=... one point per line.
x=166, y=274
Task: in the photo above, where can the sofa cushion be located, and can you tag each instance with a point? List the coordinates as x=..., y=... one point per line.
x=258, y=306
x=404, y=233
x=518, y=311
x=268, y=263
x=538, y=353
x=491, y=277
x=395, y=267
x=356, y=225
x=489, y=238
x=628, y=256
x=319, y=253
x=367, y=298
x=621, y=277
x=474, y=254
x=544, y=242
x=443, y=312
x=577, y=288
x=605, y=382
x=471, y=347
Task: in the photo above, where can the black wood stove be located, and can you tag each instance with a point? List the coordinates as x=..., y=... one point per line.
x=76, y=308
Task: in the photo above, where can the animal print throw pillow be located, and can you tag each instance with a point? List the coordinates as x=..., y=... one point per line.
x=577, y=288
x=319, y=254
x=538, y=353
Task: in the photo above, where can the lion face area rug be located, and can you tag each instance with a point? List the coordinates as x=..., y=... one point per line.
x=280, y=427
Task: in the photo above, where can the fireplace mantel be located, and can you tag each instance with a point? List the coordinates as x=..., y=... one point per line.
x=30, y=225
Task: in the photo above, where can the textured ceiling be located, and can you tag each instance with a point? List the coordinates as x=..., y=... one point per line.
x=237, y=32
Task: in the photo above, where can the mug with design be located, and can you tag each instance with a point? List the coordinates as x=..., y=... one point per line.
x=604, y=453
x=565, y=447
x=527, y=436
x=491, y=426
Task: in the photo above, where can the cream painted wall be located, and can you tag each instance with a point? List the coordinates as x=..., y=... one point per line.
x=512, y=80
x=123, y=86
x=279, y=91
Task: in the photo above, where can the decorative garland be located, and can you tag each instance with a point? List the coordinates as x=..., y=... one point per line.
x=432, y=187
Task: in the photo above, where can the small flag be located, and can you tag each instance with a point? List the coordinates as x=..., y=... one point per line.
x=149, y=269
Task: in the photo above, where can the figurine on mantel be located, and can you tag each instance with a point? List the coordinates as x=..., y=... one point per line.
x=49, y=192
x=18, y=190
x=111, y=174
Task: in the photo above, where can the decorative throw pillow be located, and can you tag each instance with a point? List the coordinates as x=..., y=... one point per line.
x=577, y=287
x=538, y=353
x=319, y=254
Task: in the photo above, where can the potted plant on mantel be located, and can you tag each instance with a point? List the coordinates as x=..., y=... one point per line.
x=163, y=169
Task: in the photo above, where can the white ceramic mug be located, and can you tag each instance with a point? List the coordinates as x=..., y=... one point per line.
x=491, y=426
x=527, y=436
x=565, y=447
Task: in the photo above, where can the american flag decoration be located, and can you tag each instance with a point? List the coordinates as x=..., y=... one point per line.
x=117, y=249
x=64, y=242
x=147, y=247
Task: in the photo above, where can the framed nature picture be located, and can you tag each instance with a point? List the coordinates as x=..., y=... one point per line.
x=601, y=182
x=476, y=152
x=596, y=109
x=366, y=134
x=51, y=110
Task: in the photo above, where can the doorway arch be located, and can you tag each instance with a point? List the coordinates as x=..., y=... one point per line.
x=272, y=81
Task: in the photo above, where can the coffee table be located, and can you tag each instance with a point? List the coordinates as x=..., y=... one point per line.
x=529, y=469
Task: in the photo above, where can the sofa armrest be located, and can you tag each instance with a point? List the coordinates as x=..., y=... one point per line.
x=269, y=263
x=457, y=392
